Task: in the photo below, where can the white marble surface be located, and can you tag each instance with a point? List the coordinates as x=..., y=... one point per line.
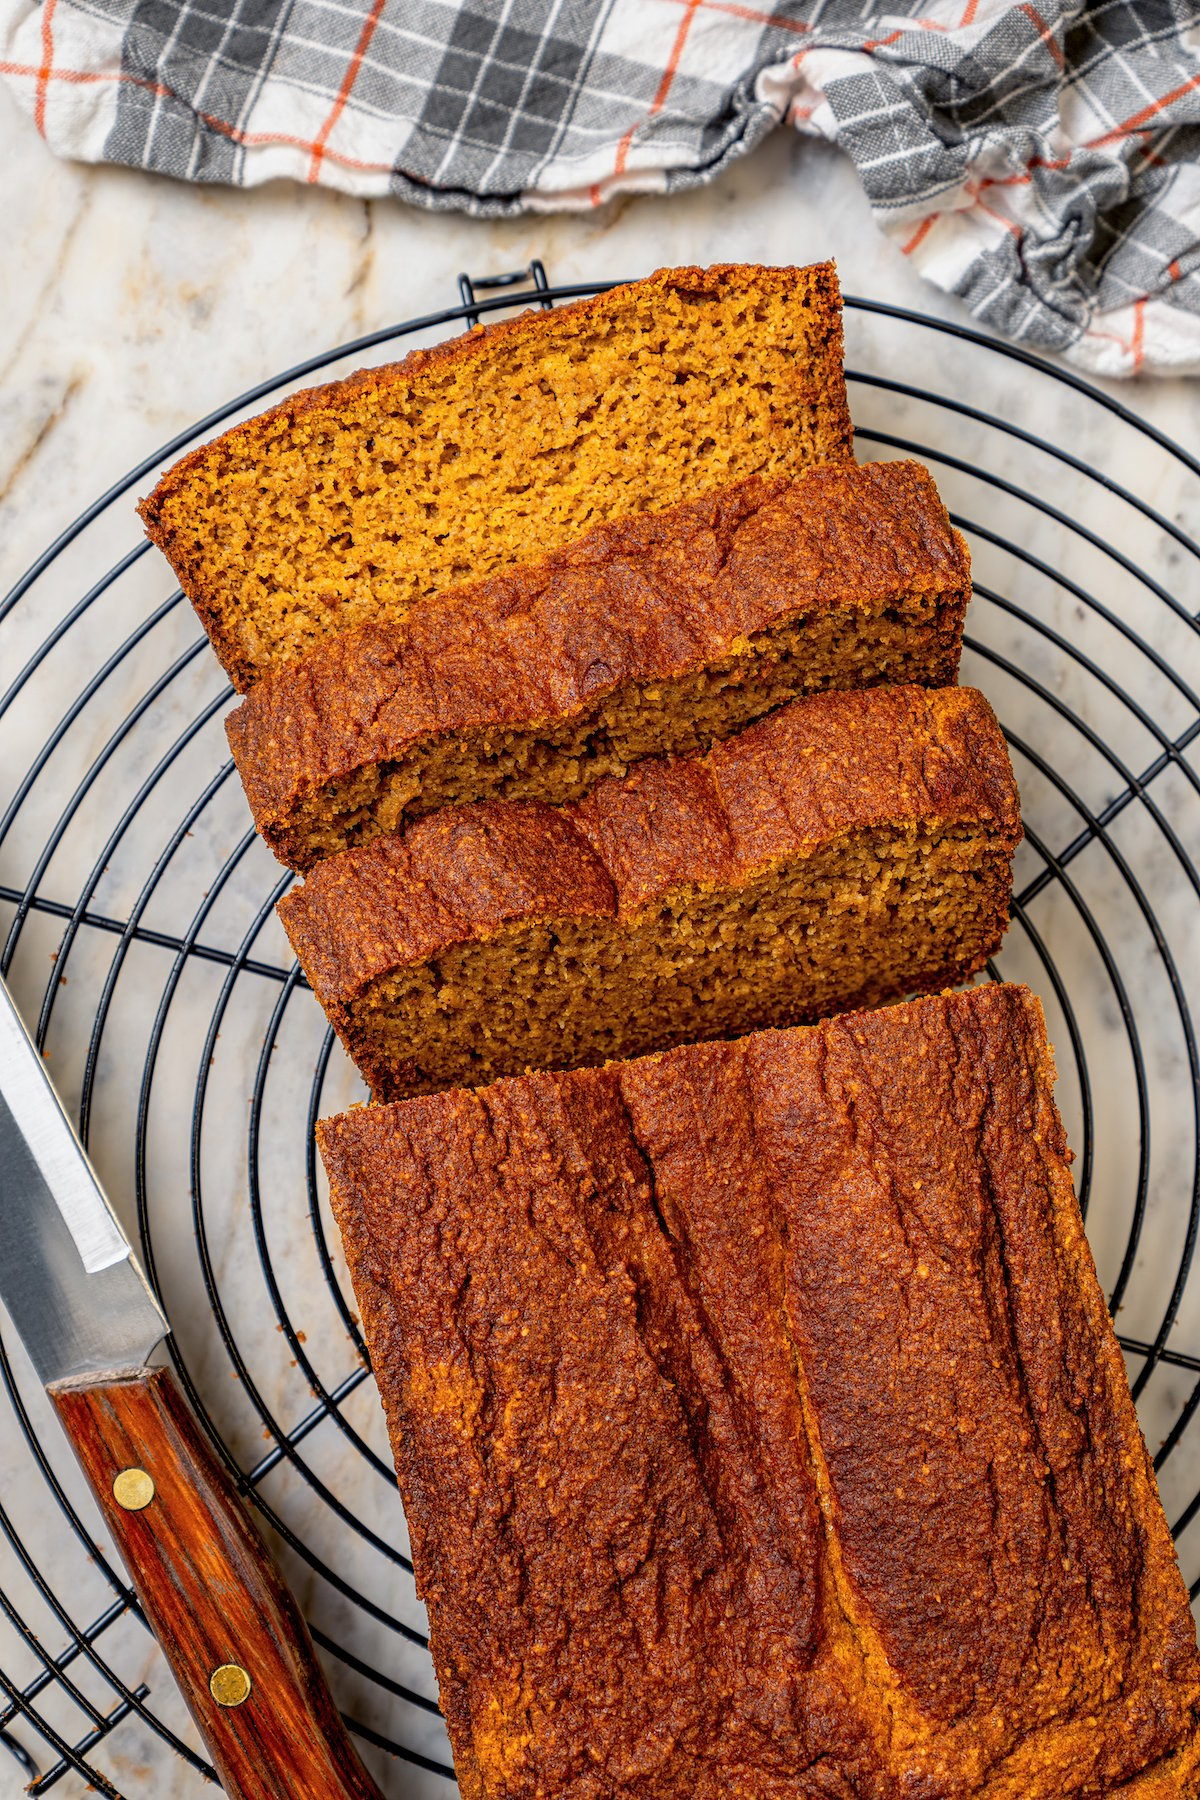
x=131, y=308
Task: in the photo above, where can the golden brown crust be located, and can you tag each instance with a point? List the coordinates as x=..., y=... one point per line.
x=176, y=533
x=649, y=598
x=779, y=789
x=761, y=1428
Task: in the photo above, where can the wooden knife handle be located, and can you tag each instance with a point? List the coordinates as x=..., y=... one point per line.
x=227, y=1624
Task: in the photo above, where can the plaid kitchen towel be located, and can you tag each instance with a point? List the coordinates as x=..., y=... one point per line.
x=1041, y=161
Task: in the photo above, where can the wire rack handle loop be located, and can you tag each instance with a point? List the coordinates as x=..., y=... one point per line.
x=469, y=287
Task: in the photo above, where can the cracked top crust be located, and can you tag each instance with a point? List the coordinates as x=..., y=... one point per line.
x=382, y=490
x=761, y=1428
x=648, y=597
x=930, y=758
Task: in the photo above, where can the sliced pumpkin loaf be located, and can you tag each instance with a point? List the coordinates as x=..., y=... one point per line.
x=848, y=849
x=761, y=1428
x=652, y=634
x=354, y=501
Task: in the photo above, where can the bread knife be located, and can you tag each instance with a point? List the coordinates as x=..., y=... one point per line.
x=227, y=1625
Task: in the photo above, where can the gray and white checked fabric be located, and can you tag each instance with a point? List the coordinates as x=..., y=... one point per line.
x=1041, y=161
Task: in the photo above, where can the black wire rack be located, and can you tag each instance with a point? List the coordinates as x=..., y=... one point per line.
x=136, y=908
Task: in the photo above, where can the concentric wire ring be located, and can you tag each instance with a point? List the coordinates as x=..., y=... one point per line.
x=175, y=1019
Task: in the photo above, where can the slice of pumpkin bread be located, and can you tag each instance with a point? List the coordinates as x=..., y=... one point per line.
x=848, y=849
x=353, y=501
x=761, y=1428
x=653, y=634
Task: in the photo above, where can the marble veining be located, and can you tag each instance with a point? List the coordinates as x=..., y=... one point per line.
x=136, y=307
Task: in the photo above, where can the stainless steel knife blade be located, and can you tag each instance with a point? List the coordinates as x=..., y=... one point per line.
x=204, y=1577
x=67, y=1275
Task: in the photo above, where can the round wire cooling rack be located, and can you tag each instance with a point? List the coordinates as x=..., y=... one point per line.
x=136, y=908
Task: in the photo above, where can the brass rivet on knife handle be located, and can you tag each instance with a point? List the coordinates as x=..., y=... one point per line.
x=230, y=1629
x=133, y=1489
x=203, y=1575
x=229, y=1684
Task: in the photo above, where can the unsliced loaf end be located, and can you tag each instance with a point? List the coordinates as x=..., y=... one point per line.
x=761, y=1428
x=651, y=635
x=354, y=501
x=849, y=849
